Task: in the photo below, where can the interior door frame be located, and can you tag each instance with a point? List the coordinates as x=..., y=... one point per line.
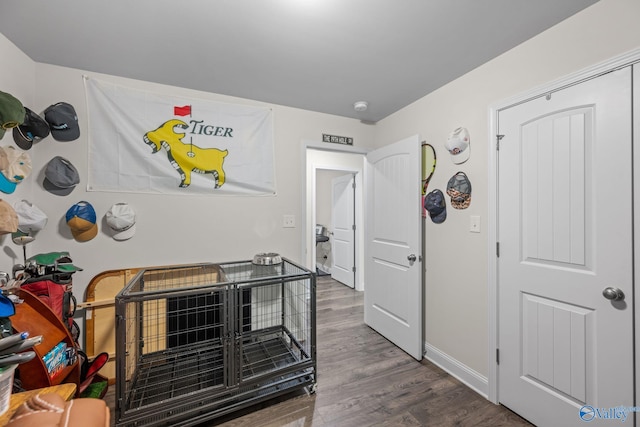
x=588, y=73
x=308, y=207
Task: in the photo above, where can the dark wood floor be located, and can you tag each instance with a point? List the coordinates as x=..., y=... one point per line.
x=364, y=380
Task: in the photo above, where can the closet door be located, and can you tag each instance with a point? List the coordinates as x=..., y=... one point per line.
x=565, y=269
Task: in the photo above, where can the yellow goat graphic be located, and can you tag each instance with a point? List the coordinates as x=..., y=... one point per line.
x=186, y=158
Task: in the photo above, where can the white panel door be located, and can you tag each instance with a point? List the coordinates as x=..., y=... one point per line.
x=565, y=236
x=342, y=224
x=393, y=290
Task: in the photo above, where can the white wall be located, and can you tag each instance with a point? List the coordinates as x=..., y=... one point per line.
x=456, y=260
x=170, y=229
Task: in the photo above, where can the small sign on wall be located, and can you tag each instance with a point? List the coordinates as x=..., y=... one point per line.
x=337, y=139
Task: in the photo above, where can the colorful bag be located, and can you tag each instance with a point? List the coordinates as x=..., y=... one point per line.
x=49, y=277
x=56, y=292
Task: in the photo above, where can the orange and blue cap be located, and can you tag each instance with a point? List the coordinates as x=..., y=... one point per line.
x=81, y=219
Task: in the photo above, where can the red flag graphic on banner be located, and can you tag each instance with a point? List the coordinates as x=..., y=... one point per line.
x=182, y=111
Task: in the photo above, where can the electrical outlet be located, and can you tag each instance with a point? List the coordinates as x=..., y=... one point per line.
x=474, y=224
x=289, y=221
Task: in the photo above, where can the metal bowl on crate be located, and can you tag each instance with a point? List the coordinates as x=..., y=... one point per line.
x=267, y=258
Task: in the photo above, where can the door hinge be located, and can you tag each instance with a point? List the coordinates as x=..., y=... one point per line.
x=353, y=268
x=353, y=227
x=498, y=139
x=497, y=356
x=498, y=249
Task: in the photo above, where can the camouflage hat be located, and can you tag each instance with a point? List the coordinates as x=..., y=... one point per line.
x=459, y=188
x=12, y=112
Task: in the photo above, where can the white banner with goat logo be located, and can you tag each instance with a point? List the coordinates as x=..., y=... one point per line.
x=143, y=142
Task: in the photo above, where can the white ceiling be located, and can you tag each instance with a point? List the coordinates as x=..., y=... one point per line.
x=319, y=55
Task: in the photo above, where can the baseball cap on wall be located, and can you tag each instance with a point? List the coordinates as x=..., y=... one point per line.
x=60, y=176
x=121, y=218
x=459, y=188
x=8, y=218
x=81, y=219
x=12, y=112
x=15, y=166
x=32, y=130
x=458, y=145
x=436, y=205
x=63, y=121
x=30, y=217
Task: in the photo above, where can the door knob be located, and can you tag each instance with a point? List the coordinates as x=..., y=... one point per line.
x=412, y=258
x=613, y=294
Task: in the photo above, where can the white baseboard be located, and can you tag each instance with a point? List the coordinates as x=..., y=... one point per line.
x=462, y=372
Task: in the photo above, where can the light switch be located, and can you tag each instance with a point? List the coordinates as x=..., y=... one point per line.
x=474, y=224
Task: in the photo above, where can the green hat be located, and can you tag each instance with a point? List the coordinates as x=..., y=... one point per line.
x=60, y=261
x=12, y=112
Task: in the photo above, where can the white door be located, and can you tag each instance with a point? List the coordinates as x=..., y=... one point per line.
x=565, y=235
x=342, y=224
x=393, y=291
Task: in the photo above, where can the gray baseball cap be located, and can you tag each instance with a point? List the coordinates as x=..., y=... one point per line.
x=435, y=204
x=60, y=176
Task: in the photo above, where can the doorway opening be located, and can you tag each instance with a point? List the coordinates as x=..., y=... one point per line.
x=318, y=158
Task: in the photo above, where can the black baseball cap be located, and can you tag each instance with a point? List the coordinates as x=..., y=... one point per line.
x=32, y=130
x=63, y=121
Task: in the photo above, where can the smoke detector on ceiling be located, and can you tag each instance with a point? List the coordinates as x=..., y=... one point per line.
x=360, y=106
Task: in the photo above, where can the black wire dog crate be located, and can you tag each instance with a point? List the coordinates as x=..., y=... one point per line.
x=194, y=342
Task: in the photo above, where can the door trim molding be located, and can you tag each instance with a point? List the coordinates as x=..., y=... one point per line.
x=588, y=73
x=308, y=200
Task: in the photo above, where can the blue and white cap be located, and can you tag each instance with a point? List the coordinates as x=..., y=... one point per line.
x=15, y=166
